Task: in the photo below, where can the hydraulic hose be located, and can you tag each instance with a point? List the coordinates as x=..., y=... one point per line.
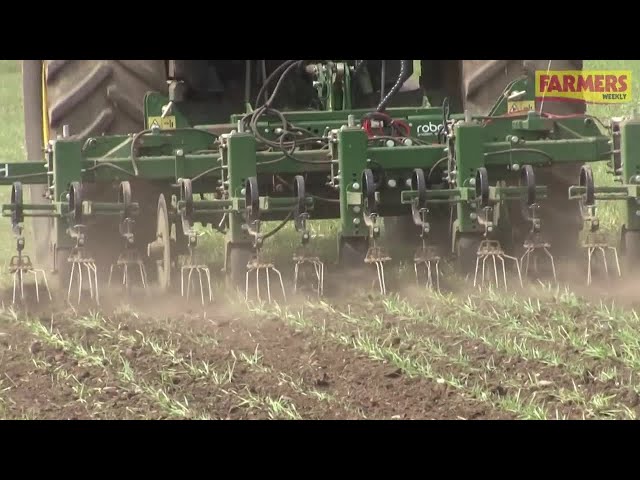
x=402, y=77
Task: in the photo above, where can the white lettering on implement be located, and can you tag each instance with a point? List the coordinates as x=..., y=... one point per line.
x=428, y=129
x=5, y=170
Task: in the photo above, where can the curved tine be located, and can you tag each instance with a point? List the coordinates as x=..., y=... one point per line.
x=110, y=275
x=208, y=274
x=86, y=266
x=415, y=269
x=495, y=269
x=522, y=259
x=504, y=271
x=201, y=286
x=589, y=254
x=604, y=261
x=94, y=267
x=553, y=264
x=143, y=275
x=246, y=286
x=295, y=277
x=284, y=295
x=484, y=262
x=258, y=283
x=475, y=277
x=267, y=271
x=21, y=284
x=44, y=279
x=615, y=255
x=15, y=282
x=182, y=281
x=46, y=284
x=438, y=276
x=322, y=278
x=316, y=267
x=189, y=281
x=515, y=260
x=95, y=273
x=35, y=278
x=73, y=267
x=80, y=282
x=381, y=279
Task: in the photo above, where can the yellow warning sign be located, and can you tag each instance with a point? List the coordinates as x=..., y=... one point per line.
x=166, y=123
x=521, y=106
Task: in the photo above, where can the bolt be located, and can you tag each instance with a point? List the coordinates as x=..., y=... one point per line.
x=351, y=120
x=390, y=143
x=356, y=221
x=65, y=131
x=408, y=142
x=392, y=183
x=515, y=167
x=473, y=215
x=489, y=229
x=355, y=186
x=243, y=192
x=636, y=179
x=179, y=152
x=356, y=209
x=514, y=139
x=407, y=182
x=637, y=213
x=266, y=130
x=240, y=126
x=472, y=182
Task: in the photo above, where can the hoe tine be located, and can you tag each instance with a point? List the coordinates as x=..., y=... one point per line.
x=596, y=241
x=126, y=260
x=318, y=269
x=378, y=257
x=615, y=256
x=92, y=278
x=199, y=269
x=19, y=268
x=533, y=247
x=256, y=265
x=492, y=249
x=517, y=264
x=381, y=282
x=430, y=260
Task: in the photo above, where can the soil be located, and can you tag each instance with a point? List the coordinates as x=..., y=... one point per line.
x=347, y=357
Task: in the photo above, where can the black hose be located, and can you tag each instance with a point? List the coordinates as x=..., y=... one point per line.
x=402, y=77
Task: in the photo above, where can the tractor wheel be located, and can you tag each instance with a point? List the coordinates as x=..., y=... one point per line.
x=483, y=81
x=92, y=97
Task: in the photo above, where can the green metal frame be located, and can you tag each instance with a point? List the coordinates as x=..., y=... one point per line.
x=162, y=156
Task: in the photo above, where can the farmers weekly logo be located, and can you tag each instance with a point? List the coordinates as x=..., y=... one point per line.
x=589, y=86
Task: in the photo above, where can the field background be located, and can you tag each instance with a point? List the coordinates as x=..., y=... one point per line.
x=538, y=354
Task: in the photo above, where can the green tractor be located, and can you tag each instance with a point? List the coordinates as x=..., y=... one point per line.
x=82, y=99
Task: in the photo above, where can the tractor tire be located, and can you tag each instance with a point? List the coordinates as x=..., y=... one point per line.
x=92, y=97
x=96, y=97
x=483, y=83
